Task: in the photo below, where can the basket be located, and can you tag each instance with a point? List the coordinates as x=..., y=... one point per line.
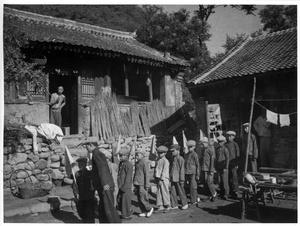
x=29, y=190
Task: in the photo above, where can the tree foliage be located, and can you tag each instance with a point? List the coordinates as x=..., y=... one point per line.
x=119, y=17
x=17, y=70
x=177, y=32
x=278, y=17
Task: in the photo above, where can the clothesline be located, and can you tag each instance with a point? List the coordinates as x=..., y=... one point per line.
x=268, y=109
x=271, y=100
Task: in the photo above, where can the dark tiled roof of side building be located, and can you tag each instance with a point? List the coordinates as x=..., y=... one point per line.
x=49, y=29
x=265, y=53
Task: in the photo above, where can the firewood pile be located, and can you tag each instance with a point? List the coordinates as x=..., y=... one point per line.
x=109, y=121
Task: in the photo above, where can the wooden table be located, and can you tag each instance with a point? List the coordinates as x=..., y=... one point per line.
x=257, y=193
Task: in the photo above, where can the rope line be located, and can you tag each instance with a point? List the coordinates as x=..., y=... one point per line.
x=276, y=113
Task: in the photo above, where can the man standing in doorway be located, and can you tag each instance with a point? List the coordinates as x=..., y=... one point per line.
x=57, y=101
x=262, y=127
x=253, y=151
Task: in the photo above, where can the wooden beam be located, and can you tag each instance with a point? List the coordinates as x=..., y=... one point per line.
x=207, y=123
x=250, y=123
x=126, y=81
x=150, y=87
x=79, y=99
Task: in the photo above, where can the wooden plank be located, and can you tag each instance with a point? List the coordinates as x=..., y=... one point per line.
x=171, y=129
x=274, y=170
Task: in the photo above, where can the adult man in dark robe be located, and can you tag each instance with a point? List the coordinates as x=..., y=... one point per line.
x=103, y=182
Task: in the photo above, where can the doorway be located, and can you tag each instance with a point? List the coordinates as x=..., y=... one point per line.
x=70, y=110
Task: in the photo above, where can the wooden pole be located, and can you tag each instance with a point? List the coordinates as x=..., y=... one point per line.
x=126, y=82
x=250, y=123
x=207, y=122
x=79, y=99
x=150, y=88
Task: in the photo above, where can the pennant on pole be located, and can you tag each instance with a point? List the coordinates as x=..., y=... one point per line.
x=119, y=145
x=215, y=139
x=174, y=140
x=201, y=135
x=133, y=147
x=69, y=164
x=153, y=145
x=184, y=141
x=152, y=155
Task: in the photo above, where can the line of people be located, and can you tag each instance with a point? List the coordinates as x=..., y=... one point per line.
x=176, y=176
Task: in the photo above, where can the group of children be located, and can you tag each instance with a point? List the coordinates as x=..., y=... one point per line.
x=171, y=176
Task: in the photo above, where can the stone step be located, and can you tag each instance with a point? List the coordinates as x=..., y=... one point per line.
x=78, y=152
x=71, y=143
x=74, y=136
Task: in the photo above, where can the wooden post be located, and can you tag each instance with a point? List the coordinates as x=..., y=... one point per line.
x=207, y=122
x=79, y=99
x=126, y=82
x=150, y=87
x=250, y=122
x=107, y=79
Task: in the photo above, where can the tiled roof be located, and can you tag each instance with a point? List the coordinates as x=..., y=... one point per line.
x=265, y=53
x=56, y=30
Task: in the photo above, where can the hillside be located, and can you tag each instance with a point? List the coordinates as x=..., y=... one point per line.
x=119, y=17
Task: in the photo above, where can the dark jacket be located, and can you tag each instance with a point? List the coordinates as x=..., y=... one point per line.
x=84, y=186
x=191, y=163
x=101, y=174
x=208, y=159
x=142, y=173
x=125, y=176
x=177, y=169
x=234, y=153
x=252, y=145
x=222, y=157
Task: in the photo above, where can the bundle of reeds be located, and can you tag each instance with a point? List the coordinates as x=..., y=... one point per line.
x=108, y=121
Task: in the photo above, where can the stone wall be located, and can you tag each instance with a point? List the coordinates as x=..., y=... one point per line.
x=22, y=165
x=284, y=147
x=37, y=112
x=49, y=163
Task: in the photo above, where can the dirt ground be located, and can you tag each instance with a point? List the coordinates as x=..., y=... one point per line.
x=220, y=211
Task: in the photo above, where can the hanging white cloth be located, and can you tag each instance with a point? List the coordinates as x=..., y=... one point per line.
x=272, y=117
x=284, y=120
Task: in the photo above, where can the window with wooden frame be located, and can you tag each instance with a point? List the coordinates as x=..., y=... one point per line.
x=23, y=92
x=87, y=88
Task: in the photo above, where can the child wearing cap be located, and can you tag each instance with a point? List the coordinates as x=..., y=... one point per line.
x=253, y=151
x=125, y=183
x=208, y=170
x=161, y=174
x=84, y=192
x=234, y=154
x=141, y=183
x=222, y=165
x=192, y=170
x=177, y=178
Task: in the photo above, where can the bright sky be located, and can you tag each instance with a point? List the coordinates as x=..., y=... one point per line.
x=225, y=21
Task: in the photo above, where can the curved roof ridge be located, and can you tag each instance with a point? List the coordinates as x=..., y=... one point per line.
x=223, y=59
x=274, y=33
x=271, y=52
x=67, y=23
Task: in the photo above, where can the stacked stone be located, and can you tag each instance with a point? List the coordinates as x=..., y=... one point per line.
x=49, y=163
x=45, y=166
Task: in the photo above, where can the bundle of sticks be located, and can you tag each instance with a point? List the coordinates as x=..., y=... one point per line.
x=108, y=121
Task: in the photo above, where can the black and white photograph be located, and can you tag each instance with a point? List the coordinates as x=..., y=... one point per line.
x=163, y=112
